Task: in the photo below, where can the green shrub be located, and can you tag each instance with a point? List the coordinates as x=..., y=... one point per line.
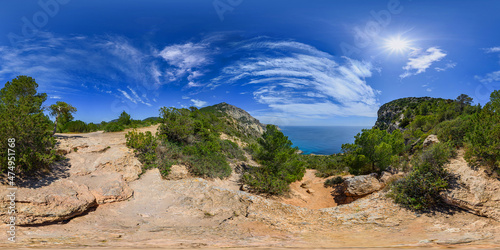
x=22, y=118
x=212, y=165
x=280, y=165
x=454, y=131
x=334, y=181
x=113, y=127
x=482, y=141
x=420, y=188
x=373, y=150
x=76, y=126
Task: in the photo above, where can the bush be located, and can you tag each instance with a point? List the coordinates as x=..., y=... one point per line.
x=22, y=118
x=421, y=187
x=76, y=126
x=454, y=131
x=281, y=166
x=334, y=181
x=113, y=127
x=373, y=150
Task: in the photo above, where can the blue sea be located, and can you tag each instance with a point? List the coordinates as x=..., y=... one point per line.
x=321, y=140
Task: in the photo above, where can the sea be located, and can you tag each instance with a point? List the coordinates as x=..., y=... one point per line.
x=321, y=140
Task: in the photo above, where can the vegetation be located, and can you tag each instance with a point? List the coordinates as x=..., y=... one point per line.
x=63, y=114
x=373, y=150
x=482, y=140
x=420, y=188
x=22, y=118
x=190, y=137
x=280, y=163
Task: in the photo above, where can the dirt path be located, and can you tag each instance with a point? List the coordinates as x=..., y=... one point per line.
x=193, y=213
x=310, y=192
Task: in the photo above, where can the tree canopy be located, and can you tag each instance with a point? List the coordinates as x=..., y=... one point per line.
x=22, y=118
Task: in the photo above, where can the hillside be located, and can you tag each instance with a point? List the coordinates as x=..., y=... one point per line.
x=106, y=195
x=247, y=123
x=120, y=207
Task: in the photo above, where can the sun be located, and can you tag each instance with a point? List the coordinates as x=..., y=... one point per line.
x=397, y=45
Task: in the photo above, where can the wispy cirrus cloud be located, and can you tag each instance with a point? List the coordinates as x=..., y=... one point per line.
x=493, y=76
x=421, y=60
x=299, y=80
x=492, y=49
x=447, y=66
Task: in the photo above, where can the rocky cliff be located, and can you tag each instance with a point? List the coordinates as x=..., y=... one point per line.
x=248, y=123
x=392, y=114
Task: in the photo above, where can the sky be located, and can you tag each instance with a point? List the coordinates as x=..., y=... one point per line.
x=286, y=62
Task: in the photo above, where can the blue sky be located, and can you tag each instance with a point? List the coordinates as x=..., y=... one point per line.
x=286, y=62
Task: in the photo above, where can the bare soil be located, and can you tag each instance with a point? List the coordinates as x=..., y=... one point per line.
x=196, y=213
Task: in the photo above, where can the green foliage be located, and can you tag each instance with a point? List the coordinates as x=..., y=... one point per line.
x=192, y=137
x=280, y=165
x=420, y=188
x=373, y=150
x=76, y=126
x=22, y=118
x=62, y=113
x=482, y=141
x=334, y=181
x=113, y=127
x=124, y=119
x=145, y=145
x=454, y=131
x=326, y=165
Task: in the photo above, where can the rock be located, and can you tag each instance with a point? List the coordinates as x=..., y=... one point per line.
x=472, y=189
x=178, y=172
x=62, y=200
x=310, y=191
x=431, y=139
x=305, y=184
x=361, y=185
x=106, y=187
x=386, y=177
x=244, y=188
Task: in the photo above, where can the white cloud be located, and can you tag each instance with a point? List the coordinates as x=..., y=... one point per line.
x=490, y=77
x=55, y=97
x=126, y=95
x=420, y=60
x=492, y=50
x=186, y=59
x=450, y=65
x=428, y=90
x=493, y=76
x=198, y=103
x=298, y=80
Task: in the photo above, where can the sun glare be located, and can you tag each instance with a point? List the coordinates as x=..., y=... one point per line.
x=397, y=45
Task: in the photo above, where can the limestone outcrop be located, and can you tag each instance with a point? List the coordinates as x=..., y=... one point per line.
x=61, y=200
x=472, y=189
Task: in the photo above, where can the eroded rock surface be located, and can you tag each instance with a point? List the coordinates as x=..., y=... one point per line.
x=61, y=200
x=106, y=186
x=472, y=189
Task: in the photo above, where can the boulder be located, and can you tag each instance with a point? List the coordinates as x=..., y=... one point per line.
x=388, y=176
x=178, y=172
x=361, y=185
x=472, y=189
x=107, y=187
x=431, y=139
x=61, y=200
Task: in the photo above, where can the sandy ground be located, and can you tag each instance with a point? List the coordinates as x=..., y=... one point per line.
x=213, y=214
